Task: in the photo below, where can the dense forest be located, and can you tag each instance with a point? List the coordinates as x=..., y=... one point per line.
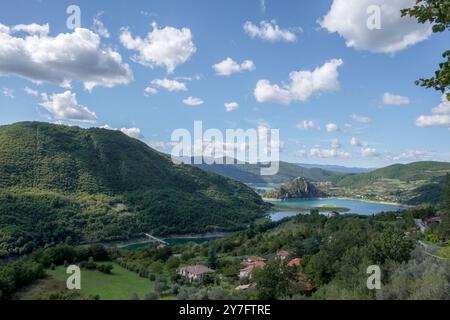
x=61, y=183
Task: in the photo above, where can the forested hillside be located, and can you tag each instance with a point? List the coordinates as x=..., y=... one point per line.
x=63, y=183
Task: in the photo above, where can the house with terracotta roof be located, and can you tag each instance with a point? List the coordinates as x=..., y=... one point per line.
x=282, y=254
x=247, y=271
x=253, y=259
x=193, y=273
x=294, y=263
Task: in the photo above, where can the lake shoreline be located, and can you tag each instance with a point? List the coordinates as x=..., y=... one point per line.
x=342, y=198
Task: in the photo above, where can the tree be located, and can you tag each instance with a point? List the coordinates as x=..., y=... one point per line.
x=212, y=258
x=273, y=282
x=134, y=296
x=436, y=12
x=151, y=296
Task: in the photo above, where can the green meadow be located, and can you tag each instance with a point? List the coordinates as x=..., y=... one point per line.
x=119, y=285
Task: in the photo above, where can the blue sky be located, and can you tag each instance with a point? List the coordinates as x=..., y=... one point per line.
x=373, y=63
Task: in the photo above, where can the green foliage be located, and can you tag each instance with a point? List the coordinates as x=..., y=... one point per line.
x=422, y=278
x=17, y=275
x=66, y=184
x=274, y=281
x=436, y=12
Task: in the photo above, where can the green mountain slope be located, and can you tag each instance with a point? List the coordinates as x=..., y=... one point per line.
x=414, y=183
x=65, y=183
x=250, y=173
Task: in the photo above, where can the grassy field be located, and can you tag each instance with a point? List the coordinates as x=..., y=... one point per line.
x=119, y=285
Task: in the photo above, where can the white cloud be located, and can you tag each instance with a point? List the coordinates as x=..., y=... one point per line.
x=443, y=107
x=231, y=106
x=349, y=18
x=302, y=85
x=32, y=29
x=308, y=125
x=329, y=153
x=331, y=127
x=131, y=132
x=265, y=92
x=7, y=92
x=412, y=155
x=99, y=27
x=64, y=106
x=392, y=99
x=31, y=92
x=355, y=142
x=335, y=143
x=435, y=120
x=193, y=102
x=228, y=66
x=170, y=85
x=269, y=31
x=62, y=59
x=440, y=116
x=369, y=152
x=166, y=47
x=150, y=91
x=361, y=119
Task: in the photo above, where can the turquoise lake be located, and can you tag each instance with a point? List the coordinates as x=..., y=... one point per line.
x=356, y=206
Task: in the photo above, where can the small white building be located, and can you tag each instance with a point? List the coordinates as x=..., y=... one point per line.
x=194, y=273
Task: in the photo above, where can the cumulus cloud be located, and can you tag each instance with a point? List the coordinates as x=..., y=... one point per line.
x=170, y=85
x=302, y=84
x=231, y=106
x=193, y=102
x=392, y=99
x=131, y=132
x=360, y=119
x=228, y=66
x=328, y=153
x=162, y=47
x=150, y=91
x=270, y=31
x=440, y=116
x=349, y=18
x=64, y=106
x=331, y=127
x=308, y=125
x=369, y=152
x=443, y=107
x=435, y=120
x=62, y=59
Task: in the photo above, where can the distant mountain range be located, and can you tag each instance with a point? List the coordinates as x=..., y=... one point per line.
x=250, y=173
x=338, y=169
